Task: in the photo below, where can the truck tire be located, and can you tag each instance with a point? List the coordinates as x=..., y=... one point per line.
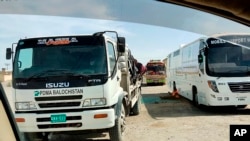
x=31, y=136
x=115, y=133
x=137, y=107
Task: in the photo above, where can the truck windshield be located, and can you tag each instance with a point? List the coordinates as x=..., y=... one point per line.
x=228, y=60
x=36, y=62
x=156, y=69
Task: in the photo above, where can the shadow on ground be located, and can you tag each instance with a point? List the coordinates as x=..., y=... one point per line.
x=164, y=105
x=80, y=137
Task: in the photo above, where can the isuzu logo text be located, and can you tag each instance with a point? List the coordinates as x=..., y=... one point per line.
x=57, y=85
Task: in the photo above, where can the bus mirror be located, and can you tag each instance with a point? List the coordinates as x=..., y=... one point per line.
x=200, y=58
x=8, y=53
x=121, y=44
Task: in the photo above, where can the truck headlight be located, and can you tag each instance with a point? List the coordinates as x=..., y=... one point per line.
x=25, y=106
x=94, y=102
x=213, y=86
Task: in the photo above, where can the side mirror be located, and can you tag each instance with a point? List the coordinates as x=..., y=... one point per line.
x=200, y=58
x=121, y=44
x=122, y=64
x=19, y=63
x=8, y=53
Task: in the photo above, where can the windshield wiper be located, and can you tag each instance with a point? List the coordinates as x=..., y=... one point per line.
x=46, y=72
x=57, y=72
x=231, y=71
x=68, y=73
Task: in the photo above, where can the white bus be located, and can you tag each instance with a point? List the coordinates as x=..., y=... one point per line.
x=212, y=71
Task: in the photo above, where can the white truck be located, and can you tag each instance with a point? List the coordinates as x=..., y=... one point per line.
x=74, y=83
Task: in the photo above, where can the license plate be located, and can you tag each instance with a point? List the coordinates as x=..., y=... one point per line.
x=58, y=118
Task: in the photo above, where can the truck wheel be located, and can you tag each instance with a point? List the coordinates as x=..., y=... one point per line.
x=137, y=107
x=115, y=133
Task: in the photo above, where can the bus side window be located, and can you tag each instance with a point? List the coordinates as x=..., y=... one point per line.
x=202, y=45
x=201, y=65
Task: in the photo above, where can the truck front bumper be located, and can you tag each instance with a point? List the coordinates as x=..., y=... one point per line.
x=66, y=121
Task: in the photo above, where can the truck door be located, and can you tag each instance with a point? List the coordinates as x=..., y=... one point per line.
x=113, y=73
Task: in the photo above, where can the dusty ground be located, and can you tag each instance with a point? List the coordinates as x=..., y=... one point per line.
x=174, y=120
x=178, y=120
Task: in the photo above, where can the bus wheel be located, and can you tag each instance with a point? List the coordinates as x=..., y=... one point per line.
x=195, y=97
x=174, y=87
x=115, y=133
x=241, y=106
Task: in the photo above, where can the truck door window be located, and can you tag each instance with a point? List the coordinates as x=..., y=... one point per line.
x=25, y=58
x=24, y=61
x=111, y=56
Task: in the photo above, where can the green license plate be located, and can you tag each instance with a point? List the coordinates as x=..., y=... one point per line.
x=58, y=118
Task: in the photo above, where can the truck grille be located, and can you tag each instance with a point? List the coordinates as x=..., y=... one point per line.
x=59, y=104
x=239, y=87
x=63, y=125
x=58, y=98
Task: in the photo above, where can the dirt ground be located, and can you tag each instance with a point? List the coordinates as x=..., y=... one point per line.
x=170, y=119
x=178, y=120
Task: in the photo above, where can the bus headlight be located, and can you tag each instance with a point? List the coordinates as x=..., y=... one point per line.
x=213, y=86
x=94, y=102
x=25, y=105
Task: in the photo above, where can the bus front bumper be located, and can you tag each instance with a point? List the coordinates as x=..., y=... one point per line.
x=228, y=100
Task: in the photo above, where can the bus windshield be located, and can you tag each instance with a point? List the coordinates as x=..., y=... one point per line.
x=228, y=60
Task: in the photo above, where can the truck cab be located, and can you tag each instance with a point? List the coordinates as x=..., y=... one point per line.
x=72, y=83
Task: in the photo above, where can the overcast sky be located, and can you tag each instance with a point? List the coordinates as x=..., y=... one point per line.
x=154, y=39
x=145, y=41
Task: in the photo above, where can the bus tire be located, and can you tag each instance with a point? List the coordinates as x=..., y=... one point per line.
x=195, y=97
x=137, y=107
x=242, y=106
x=115, y=133
x=174, y=87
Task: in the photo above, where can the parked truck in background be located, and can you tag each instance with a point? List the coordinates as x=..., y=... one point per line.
x=156, y=72
x=73, y=83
